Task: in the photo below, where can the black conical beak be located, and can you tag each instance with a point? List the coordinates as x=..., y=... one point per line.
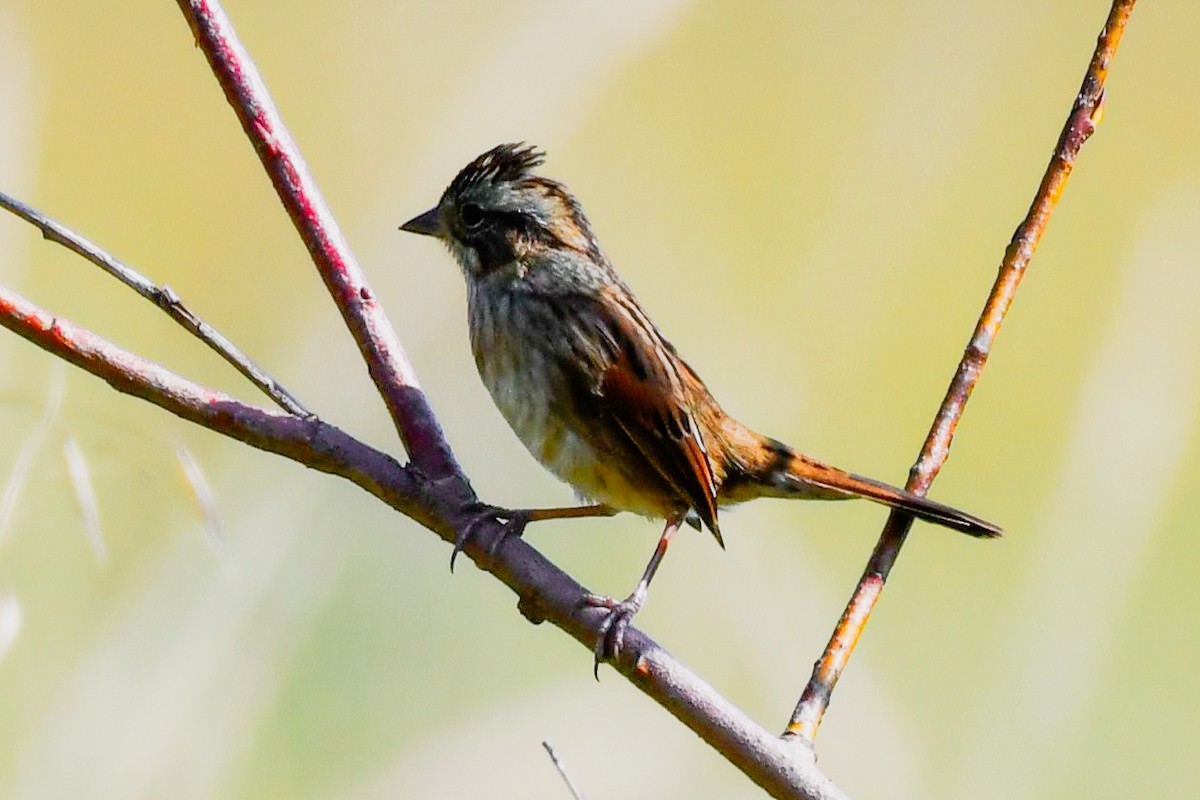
x=425, y=224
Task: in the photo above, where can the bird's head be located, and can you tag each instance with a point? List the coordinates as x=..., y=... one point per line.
x=497, y=217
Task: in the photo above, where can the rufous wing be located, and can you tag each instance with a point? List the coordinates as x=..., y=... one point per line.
x=645, y=393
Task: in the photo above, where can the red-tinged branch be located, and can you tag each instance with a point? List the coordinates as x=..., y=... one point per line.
x=1081, y=122
x=309, y=441
x=368, y=324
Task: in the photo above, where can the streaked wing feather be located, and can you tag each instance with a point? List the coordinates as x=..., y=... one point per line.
x=649, y=403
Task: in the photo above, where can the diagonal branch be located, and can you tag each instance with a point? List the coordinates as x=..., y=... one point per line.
x=309, y=441
x=368, y=324
x=546, y=592
x=1081, y=122
x=162, y=296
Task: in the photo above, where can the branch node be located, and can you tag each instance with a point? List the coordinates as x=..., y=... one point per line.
x=167, y=297
x=531, y=609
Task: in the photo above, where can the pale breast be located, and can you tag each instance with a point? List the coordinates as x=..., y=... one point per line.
x=527, y=370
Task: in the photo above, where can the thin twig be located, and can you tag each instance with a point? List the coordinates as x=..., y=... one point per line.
x=162, y=296
x=1081, y=122
x=562, y=771
x=546, y=592
x=377, y=341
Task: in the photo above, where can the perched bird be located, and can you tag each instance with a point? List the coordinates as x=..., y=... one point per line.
x=594, y=390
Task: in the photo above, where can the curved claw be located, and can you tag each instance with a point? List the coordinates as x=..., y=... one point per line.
x=513, y=522
x=612, y=629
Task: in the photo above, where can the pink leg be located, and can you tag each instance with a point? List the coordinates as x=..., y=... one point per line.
x=612, y=629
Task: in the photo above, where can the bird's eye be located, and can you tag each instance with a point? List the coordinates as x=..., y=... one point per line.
x=472, y=215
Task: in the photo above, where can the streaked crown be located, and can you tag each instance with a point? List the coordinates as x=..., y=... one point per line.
x=505, y=163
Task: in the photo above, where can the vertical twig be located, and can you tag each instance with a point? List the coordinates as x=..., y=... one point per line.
x=1081, y=122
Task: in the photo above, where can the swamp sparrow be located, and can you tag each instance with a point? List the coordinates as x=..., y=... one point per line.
x=594, y=390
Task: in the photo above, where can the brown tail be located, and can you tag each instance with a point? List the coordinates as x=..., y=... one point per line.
x=786, y=473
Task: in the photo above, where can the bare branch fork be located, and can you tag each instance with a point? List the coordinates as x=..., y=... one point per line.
x=162, y=296
x=431, y=488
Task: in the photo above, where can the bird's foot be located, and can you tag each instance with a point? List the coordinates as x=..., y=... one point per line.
x=612, y=629
x=512, y=522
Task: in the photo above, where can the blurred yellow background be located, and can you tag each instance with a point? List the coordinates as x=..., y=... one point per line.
x=811, y=199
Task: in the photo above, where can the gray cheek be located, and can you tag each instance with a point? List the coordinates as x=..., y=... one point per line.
x=467, y=258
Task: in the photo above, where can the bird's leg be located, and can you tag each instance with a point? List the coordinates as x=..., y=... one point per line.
x=612, y=629
x=514, y=521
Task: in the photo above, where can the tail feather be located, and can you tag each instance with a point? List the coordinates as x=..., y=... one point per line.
x=786, y=473
x=895, y=497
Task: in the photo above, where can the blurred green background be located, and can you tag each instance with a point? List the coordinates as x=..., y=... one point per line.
x=811, y=199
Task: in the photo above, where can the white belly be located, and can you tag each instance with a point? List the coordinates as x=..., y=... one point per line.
x=521, y=383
